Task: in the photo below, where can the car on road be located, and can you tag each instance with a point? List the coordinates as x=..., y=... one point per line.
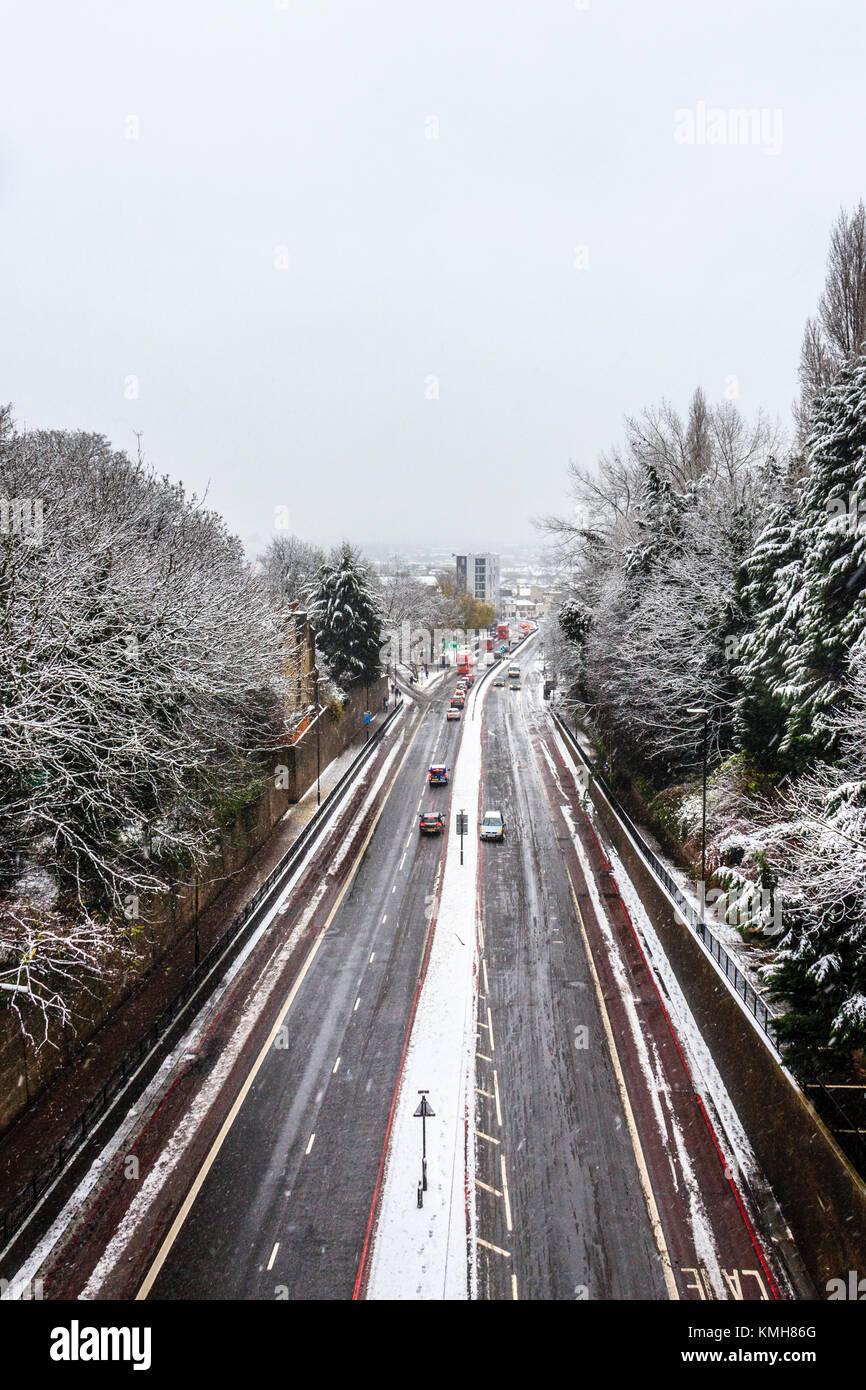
x=437, y=775
x=457, y=701
x=492, y=826
x=500, y=680
x=452, y=713
x=514, y=685
x=431, y=823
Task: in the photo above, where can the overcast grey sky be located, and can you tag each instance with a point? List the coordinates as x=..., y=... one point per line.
x=288, y=225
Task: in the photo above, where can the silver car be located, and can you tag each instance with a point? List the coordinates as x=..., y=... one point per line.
x=492, y=826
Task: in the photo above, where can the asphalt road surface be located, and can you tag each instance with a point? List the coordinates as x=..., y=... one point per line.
x=283, y=1210
x=599, y=1171
x=600, y=1174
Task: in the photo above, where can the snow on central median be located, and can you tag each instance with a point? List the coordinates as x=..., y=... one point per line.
x=422, y=1252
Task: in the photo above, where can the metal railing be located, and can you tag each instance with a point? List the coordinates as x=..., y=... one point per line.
x=230, y=939
x=740, y=984
x=848, y=1129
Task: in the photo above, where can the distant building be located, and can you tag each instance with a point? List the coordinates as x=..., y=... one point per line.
x=478, y=575
x=521, y=601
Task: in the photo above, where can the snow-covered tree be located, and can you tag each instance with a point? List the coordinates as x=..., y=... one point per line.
x=142, y=667
x=346, y=615
x=806, y=584
x=816, y=837
x=289, y=564
x=657, y=543
x=837, y=332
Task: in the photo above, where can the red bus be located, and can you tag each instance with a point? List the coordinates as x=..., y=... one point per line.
x=463, y=661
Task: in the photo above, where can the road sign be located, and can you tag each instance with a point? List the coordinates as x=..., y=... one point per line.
x=462, y=829
x=424, y=1111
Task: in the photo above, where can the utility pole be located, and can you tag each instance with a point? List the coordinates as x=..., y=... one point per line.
x=318, y=741
x=318, y=761
x=705, y=714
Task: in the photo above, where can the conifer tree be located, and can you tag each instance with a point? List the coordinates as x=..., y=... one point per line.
x=805, y=586
x=346, y=616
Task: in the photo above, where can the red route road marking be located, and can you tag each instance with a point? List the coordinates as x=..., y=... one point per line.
x=586, y=821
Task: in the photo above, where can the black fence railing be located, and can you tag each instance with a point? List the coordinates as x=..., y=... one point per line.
x=846, y=1119
x=738, y=981
x=231, y=939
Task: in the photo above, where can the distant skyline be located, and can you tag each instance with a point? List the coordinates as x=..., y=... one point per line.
x=390, y=267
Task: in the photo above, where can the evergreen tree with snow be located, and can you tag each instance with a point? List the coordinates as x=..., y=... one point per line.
x=820, y=850
x=575, y=621
x=345, y=613
x=807, y=588
x=766, y=583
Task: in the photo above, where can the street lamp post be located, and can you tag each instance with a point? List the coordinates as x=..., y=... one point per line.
x=705, y=715
x=315, y=675
x=423, y=1113
x=318, y=758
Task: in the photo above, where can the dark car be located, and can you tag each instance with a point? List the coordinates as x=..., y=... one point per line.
x=431, y=823
x=437, y=775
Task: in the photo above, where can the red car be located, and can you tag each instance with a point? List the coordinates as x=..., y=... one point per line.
x=431, y=823
x=457, y=700
x=437, y=775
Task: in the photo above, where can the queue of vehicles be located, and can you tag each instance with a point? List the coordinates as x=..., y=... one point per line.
x=492, y=825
